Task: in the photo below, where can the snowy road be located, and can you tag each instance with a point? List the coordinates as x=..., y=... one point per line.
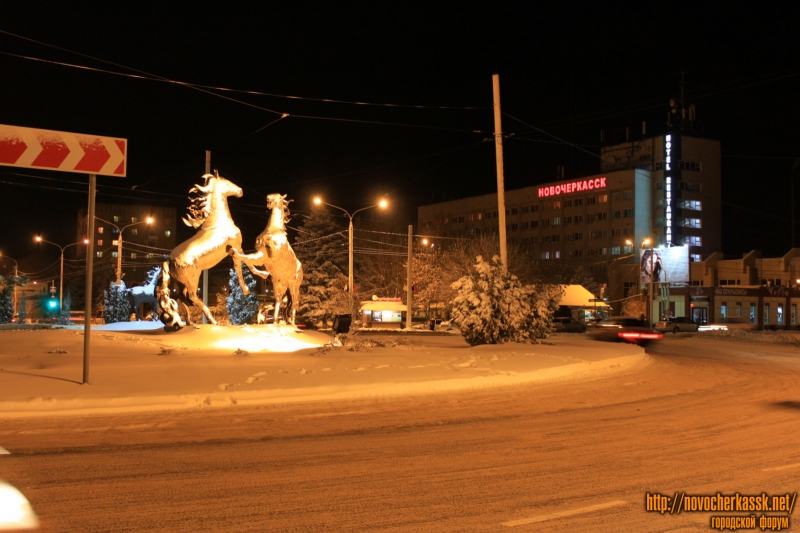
x=705, y=417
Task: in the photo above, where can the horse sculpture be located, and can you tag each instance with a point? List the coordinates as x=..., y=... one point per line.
x=216, y=235
x=145, y=294
x=274, y=253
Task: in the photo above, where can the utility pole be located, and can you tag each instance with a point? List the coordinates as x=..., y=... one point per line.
x=409, y=290
x=205, y=272
x=87, y=316
x=498, y=151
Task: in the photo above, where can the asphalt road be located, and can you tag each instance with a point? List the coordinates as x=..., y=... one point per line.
x=704, y=417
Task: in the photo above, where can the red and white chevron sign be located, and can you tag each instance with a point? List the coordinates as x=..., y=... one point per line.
x=60, y=150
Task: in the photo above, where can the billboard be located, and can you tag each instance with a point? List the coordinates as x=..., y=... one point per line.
x=665, y=265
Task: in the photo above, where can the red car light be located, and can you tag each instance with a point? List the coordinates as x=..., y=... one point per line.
x=638, y=335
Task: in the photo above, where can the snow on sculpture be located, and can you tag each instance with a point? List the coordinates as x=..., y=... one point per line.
x=275, y=254
x=145, y=294
x=216, y=235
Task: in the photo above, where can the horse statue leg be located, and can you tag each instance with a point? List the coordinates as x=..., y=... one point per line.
x=169, y=307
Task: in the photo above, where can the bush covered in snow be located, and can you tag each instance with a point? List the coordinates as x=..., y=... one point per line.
x=492, y=306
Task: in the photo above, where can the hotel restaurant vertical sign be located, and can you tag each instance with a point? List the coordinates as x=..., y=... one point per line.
x=672, y=177
x=62, y=151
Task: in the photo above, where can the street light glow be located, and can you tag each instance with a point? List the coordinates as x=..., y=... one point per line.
x=383, y=203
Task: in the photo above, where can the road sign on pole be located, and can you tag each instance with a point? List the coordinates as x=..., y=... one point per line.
x=68, y=152
x=62, y=151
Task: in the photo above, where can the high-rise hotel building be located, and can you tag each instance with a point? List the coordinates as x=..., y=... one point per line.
x=666, y=188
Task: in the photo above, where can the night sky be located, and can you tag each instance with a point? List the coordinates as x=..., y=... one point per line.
x=566, y=70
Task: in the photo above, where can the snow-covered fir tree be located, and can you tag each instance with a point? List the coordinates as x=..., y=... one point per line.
x=242, y=309
x=62, y=317
x=492, y=306
x=116, y=305
x=7, y=285
x=323, y=252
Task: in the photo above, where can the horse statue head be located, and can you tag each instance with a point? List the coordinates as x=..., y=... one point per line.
x=200, y=197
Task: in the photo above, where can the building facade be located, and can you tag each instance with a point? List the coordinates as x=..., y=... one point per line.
x=665, y=188
x=143, y=245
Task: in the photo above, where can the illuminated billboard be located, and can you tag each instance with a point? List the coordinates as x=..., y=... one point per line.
x=575, y=186
x=667, y=265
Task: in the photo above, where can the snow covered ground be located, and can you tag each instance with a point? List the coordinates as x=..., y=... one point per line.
x=138, y=367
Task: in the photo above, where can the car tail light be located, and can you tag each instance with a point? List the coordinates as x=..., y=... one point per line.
x=637, y=335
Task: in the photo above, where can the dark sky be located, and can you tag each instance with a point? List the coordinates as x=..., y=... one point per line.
x=564, y=68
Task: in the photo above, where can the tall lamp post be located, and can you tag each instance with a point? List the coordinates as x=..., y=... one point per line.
x=382, y=204
x=148, y=220
x=61, y=276
x=16, y=273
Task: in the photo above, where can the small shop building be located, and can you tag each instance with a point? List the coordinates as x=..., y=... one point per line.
x=386, y=313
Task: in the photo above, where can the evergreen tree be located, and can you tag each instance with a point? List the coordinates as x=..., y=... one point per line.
x=116, y=306
x=492, y=306
x=7, y=285
x=242, y=309
x=22, y=311
x=62, y=317
x=323, y=254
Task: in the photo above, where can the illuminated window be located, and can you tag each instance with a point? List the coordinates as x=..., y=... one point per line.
x=116, y=218
x=766, y=313
x=723, y=310
x=627, y=249
x=691, y=223
x=99, y=254
x=556, y=254
x=114, y=230
x=556, y=221
x=614, y=250
x=479, y=216
x=133, y=255
x=779, y=310
x=752, y=313
x=545, y=255
x=694, y=257
x=114, y=253
x=135, y=231
x=603, y=198
x=694, y=205
x=604, y=251
x=100, y=229
x=99, y=242
x=134, y=220
x=557, y=204
x=693, y=240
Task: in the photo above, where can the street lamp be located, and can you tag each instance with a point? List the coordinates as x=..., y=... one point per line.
x=16, y=273
x=382, y=204
x=61, y=277
x=148, y=220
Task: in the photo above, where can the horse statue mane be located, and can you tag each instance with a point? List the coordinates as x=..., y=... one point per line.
x=275, y=255
x=199, y=207
x=216, y=235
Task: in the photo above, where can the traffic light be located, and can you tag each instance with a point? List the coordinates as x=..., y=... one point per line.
x=52, y=303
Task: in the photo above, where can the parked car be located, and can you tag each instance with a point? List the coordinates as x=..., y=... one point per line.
x=624, y=329
x=565, y=324
x=677, y=324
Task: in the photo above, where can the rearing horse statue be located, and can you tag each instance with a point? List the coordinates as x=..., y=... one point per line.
x=274, y=253
x=216, y=235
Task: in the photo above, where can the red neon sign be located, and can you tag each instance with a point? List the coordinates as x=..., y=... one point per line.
x=575, y=186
